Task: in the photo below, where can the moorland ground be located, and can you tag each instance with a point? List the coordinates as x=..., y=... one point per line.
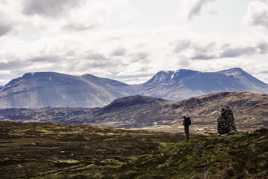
x=35, y=150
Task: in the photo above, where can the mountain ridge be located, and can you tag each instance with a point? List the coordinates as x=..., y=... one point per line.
x=43, y=89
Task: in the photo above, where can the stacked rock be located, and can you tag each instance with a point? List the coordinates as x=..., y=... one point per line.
x=226, y=121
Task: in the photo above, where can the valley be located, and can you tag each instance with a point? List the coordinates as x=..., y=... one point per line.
x=250, y=110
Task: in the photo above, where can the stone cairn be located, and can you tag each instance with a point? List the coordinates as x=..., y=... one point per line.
x=226, y=121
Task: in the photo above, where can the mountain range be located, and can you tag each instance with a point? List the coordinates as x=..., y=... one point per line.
x=50, y=89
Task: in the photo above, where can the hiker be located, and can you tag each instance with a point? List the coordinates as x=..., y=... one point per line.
x=186, y=123
x=226, y=121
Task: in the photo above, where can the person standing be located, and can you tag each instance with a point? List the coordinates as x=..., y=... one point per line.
x=187, y=123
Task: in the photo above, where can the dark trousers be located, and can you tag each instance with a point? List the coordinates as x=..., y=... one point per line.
x=187, y=132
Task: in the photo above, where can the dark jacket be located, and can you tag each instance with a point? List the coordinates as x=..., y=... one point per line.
x=187, y=121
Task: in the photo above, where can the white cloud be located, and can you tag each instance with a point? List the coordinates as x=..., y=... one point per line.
x=258, y=14
x=122, y=39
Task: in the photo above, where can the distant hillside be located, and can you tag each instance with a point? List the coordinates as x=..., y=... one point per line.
x=37, y=90
x=49, y=89
x=250, y=109
x=183, y=84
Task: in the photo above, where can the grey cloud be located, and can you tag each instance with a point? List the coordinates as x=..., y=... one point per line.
x=111, y=67
x=140, y=56
x=112, y=63
x=89, y=61
x=48, y=8
x=260, y=19
x=97, y=57
x=183, y=62
x=120, y=52
x=11, y=65
x=203, y=52
x=16, y=64
x=182, y=45
x=238, y=51
x=79, y=27
x=202, y=56
x=3, y=2
x=258, y=16
x=214, y=51
x=97, y=64
x=232, y=52
x=5, y=28
x=263, y=72
x=263, y=48
x=45, y=59
x=197, y=8
x=75, y=64
x=98, y=60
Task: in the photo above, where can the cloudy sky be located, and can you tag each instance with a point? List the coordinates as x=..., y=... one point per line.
x=130, y=40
